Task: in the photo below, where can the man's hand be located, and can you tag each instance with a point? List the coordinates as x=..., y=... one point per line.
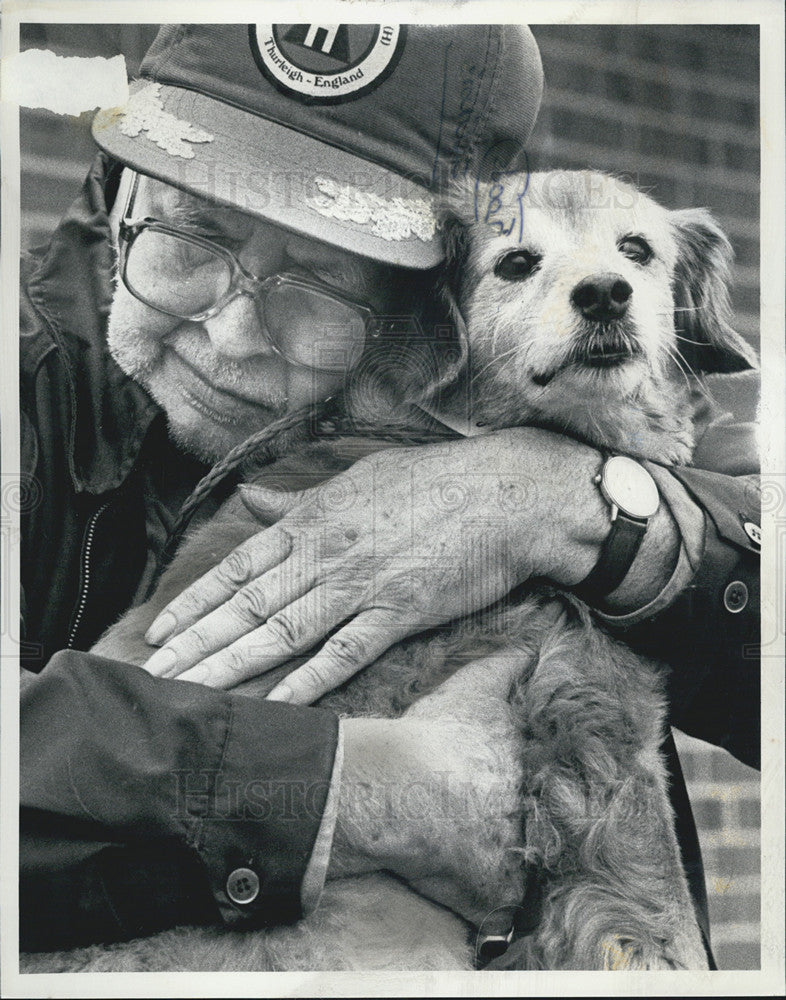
x=404, y=540
x=435, y=796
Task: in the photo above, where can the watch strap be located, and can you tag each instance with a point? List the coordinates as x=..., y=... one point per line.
x=616, y=558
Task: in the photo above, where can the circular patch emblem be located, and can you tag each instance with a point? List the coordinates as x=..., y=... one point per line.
x=326, y=63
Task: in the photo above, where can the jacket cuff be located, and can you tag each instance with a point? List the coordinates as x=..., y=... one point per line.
x=316, y=873
x=236, y=786
x=256, y=817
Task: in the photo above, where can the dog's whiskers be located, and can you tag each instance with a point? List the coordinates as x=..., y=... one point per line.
x=695, y=374
x=687, y=340
x=675, y=357
x=685, y=369
x=512, y=353
x=515, y=357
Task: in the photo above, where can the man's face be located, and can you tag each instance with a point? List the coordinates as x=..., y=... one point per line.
x=220, y=380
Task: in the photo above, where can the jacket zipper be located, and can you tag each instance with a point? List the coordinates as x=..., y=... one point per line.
x=85, y=584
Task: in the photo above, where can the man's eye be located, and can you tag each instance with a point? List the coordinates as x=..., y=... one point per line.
x=517, y=265
x=216, y=236
x=636, y=248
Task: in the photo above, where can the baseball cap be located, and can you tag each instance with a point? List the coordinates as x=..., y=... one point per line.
x=340, y=132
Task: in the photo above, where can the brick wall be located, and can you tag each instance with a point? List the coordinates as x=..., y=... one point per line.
x=726, y=805
x=672, y=107
x=675, y=109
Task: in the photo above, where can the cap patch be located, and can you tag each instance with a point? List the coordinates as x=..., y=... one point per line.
x=145, y=113
x=389, y=218
x=326, y=63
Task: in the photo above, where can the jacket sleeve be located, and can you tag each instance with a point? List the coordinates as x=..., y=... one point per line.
x=707, y=631
x=714, y=652
x=147, y=802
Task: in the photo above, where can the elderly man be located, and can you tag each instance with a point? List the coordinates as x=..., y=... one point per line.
x=276, y=201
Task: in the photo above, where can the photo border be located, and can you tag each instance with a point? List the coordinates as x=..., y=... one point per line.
x=770, y=979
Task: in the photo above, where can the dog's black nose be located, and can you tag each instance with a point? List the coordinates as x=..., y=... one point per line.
x=603, y=296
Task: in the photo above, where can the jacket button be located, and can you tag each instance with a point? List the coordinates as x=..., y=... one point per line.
x=243, y=886
x=735, y=597
x=753, y=531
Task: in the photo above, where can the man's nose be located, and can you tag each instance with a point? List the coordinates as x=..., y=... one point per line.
x=238, y=331
x=602, y=296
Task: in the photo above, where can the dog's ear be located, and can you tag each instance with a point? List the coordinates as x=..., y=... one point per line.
x=455, y=237
x=454, y=351
x=701, y=296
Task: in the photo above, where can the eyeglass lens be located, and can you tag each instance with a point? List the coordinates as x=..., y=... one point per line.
x=313, y=329
x=175, y=274
x=179, y=276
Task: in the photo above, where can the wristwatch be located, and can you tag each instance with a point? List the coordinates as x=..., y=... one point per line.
x=633, y=496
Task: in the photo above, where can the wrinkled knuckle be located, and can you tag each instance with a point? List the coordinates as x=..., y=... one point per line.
x=346, y=650
x=250, y=604
x=189, y=605
x=198, y=641
x=234, y=662
x=285, y=631
x=313, y=677
x=235, y=570
x=336, y=541
x=402, y=591
x=282, y=535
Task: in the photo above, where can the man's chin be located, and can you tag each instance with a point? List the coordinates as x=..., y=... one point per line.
x=199, y=424
x=206, y=444
x=204, y=436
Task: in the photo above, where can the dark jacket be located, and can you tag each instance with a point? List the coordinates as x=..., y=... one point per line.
x=139, y=798
x=103, y=480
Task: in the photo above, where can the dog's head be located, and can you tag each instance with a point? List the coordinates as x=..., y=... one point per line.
x=584, y=300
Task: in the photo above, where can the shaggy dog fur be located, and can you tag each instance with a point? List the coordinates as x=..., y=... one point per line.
x=586, y=715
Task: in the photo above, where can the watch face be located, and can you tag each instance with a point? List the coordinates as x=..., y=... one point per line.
x=628, y=485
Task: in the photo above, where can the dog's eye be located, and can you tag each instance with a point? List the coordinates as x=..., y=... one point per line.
x=636, y=248
x=517, y=265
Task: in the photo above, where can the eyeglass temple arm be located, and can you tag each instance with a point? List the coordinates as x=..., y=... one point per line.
x=125, y=218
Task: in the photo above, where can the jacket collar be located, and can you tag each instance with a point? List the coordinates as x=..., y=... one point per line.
x=71, y=288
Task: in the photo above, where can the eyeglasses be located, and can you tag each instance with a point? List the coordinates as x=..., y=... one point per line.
x=191, y=278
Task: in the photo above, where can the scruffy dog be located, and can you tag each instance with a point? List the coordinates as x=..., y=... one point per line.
x=588, y=308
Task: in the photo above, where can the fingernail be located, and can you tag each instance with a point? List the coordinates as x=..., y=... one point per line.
x=161, y=629
x=162, y=662
x=283, y=692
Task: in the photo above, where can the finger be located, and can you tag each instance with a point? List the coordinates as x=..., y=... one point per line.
x=353, y=647
x=297, y=627
x=269, y=504
x=249, y=560
x=241, y=615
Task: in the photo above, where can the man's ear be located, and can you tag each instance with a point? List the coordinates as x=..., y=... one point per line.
x=121, y=179
x=702, y=313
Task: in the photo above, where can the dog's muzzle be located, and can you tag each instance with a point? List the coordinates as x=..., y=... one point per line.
x=606, y=338
x=606, y=346
x=602, y=297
